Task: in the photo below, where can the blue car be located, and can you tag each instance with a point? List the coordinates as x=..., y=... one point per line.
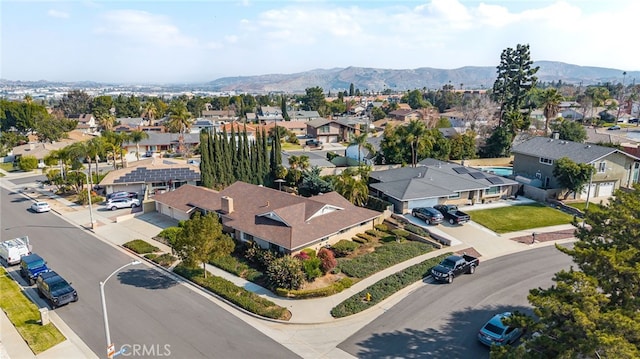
x=495, y=332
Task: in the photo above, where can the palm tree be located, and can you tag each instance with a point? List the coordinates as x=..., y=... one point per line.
x=551, y=99
x=106, y=121
x=361, y=141
x=297, y=164
x=417, y=137
x=137, y=137
x=179, y=121
x=150, y=111
x=114, y=141
x=354, y=190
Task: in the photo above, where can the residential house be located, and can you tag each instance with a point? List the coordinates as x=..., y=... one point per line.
x=300, y=115
x=299, y=128
x=87, y=123
x=162, y=142
x=152, y=176
x=534, y=161
x=434, y=182
x=273, y=219
x=220, y=115
x=132, y=122
x=324, y=130
x=405, y=115
x=269, y=113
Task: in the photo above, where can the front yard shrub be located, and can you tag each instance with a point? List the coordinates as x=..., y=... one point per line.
x=417, y=230
x=385, y=287
x=309, y=252
x=285, y=272
x=236, y=266
x=381, y=227
x=164, y=260
x=236, y=295
x=311, y=268
x=367, y=237
x=332, y=289
x=400, y=233
x=383, y=257
x=170, y=234
x=344, y=247
x=359, y=240
x=140, y=246
x=258, y=256
x=83, y=199
x=327, y=260
x=151, y=256
x=28, y=163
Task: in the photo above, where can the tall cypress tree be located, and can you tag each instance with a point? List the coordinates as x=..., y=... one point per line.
x=205, y=161
x=265, y=158
x=214, y=154
x=229, y=144
x=246, y=158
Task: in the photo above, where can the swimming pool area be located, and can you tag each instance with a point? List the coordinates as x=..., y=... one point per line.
x=500, y=171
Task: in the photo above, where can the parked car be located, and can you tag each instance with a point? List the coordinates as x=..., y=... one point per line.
x=495, y=332
x=614, y=127
x=40, y=207
x=428, y=214
x=453, y=266
x=55, y=289
x=121, y=194
x=12, y=250
x=117, y=203
x=452, y=214
x=31, y=266
x=313, y=143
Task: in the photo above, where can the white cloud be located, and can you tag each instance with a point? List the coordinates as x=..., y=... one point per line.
x=144, y=28
x=58, y=14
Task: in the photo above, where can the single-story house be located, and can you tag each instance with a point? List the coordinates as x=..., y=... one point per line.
x=534, y=160
x=273, y=219
x=299, y=128
x=434, y=182
x=152, y=176
x=160, y=142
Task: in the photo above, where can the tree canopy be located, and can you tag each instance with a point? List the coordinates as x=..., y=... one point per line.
x=572, y=176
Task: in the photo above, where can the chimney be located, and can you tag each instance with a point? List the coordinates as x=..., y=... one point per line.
x=227, y=204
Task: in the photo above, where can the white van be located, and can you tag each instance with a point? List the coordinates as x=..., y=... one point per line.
x=13, y=249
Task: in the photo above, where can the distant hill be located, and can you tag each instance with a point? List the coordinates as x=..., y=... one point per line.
x=468, y=77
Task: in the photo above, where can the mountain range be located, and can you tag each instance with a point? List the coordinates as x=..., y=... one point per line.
x=373, y=79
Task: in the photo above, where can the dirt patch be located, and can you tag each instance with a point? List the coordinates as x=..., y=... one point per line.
x=470, y=252
x=546, y=236
x=324, y=281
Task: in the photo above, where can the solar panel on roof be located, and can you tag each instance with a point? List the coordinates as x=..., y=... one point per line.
x=461, y=170
x=477, y=175
x=495, y=180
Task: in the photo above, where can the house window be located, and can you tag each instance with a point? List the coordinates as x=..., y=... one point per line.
x=602, y=167
x=454, y=196
x=546, y=161
x=492, y=190
x=324, y=129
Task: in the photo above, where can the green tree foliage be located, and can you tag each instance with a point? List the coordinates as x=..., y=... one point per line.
x=137, y=137
x=313, y=184
x=592, y=311
x=351, y=89
x=463, y=146
x=351, y=186
x=314, y=99
x=378, y=113
x=498, y=144
x=101, y=105
x=202, y=239
x=516, y=77
x=49, y=129
x=550, y=101
x=28, y=163
x=297, y=164
x=415, y=100
x=75, y=102
x=572, y=176
x=127, y=106
x=570, y=131
x=361, y=141
x=285, y=272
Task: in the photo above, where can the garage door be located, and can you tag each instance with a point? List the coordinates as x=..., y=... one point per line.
x=583, y=195
x=427, y=202
x=605, y=189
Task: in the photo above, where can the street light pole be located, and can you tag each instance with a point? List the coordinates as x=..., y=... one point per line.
x=110, y=349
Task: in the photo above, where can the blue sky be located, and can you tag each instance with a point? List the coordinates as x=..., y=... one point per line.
x=200, y=41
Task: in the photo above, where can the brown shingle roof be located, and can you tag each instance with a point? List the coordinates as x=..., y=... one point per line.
x=278, y=217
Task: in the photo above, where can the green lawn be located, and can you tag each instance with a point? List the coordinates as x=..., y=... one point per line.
x=25, y=316
x=521, y=217
x=7, y=166
x=593, y=207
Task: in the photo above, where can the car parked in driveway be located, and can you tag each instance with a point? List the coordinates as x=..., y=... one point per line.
x=121, y=194
x=40, y=207
x=495, y=332
x=55, y=289
x=118, y=203
x=428, y=214
x=614, y=127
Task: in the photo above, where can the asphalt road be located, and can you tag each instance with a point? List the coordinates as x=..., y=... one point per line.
x=442, y=320
x=145, y=306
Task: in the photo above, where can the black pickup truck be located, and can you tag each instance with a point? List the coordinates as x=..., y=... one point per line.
x=453, y=266
x=452, y=214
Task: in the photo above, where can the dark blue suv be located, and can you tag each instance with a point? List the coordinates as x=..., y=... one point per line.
x=31, y=266
x=54, y=288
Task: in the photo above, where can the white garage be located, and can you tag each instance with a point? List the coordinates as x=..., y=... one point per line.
x=589, y=192
x=605, y=189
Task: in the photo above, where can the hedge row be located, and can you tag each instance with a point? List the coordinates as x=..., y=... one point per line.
x=334, y=288
x=385, y=288
x=236, y=267
x=383, y=257
x=236, y=295
x=140, y=246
